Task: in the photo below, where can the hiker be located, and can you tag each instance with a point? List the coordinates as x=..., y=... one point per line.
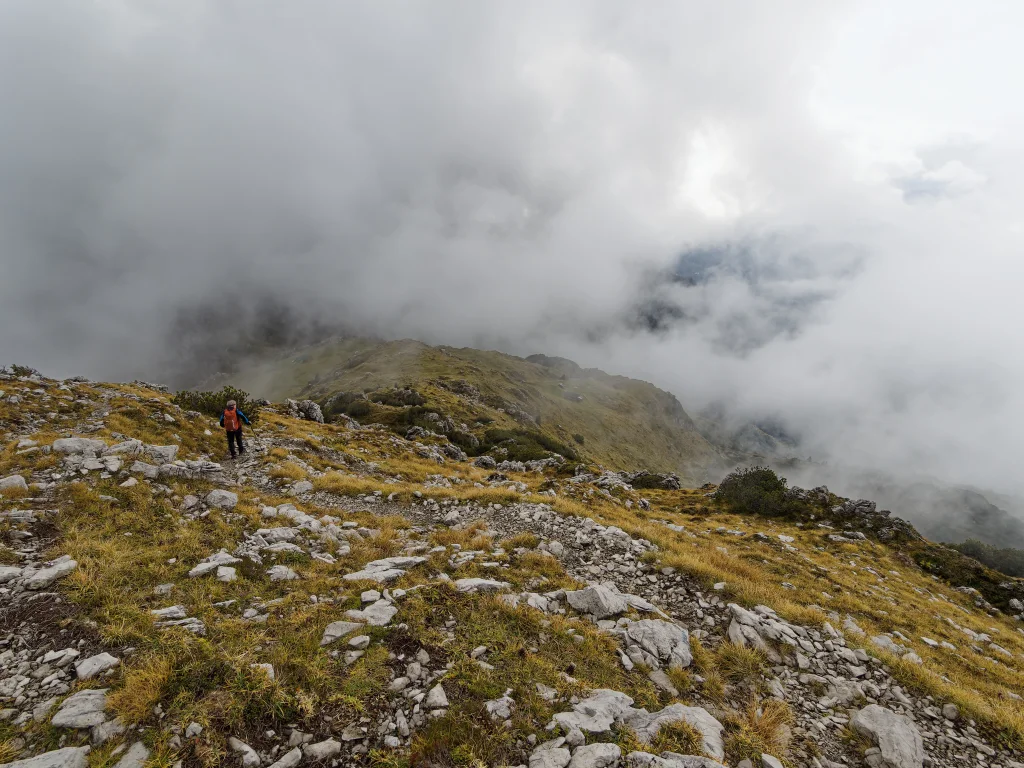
x=231, y=420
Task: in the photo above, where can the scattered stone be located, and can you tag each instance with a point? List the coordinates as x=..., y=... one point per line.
x=135, y=757
x=663, y=640
x=69, y=757
x=322, y=750
x=58, y=569
x=480, y=585
x=282, y=573
x=212, y=563
x=599, y=601
x=95, y=665
x=596, y=756
x=249, y=757
x=338, y=629
x=13, y=481
x=383, y=571
x=896, y=736
x=82, y=710
x=436, y=698
x=379, y=614
x=550, y=758
x=78, y=445
x=221, y=499
x=290, y=759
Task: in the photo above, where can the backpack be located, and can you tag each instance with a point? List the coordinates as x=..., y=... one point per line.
x=231, y=421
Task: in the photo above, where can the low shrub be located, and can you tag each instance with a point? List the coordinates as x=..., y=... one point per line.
x=1006, y=560
x=524, y=445
x=398, y=397
x=757, y=491
x=212, y=403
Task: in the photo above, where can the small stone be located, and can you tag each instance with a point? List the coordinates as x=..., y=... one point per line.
x=339, y=629
x=282, y=573
x=82, y=710
x=558, y=757
x=249, y=757
x=221, y=499
x=596, y=756
x=69, y=757
x=436, y=698
x=322, y=750
x=135, y=757
x=95, y=665
x=289, y=760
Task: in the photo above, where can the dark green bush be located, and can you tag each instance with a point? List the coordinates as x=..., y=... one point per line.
x=359, y=409
x=524, y=445
x=1009, y=561
x=345, y=402
x=756, y=491
x=397, y=397
x=212, y=403
x=580, y=440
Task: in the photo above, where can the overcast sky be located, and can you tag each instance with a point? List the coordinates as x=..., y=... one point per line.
x=513, y=175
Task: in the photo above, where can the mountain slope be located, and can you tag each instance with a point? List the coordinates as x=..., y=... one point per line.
x=619, y=422
x=337, y=598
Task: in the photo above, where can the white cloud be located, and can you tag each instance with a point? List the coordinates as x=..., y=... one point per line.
x=495, y=174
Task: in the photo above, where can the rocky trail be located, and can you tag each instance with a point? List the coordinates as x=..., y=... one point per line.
x=399, y=617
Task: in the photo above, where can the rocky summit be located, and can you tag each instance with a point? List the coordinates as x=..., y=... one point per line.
x=346, y=595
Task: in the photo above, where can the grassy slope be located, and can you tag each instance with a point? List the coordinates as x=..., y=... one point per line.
x=625, y=423
x=869, y=581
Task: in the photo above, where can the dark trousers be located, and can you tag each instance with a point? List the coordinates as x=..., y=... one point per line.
x=235, y=437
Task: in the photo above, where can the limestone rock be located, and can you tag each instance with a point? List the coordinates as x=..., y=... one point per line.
x=596, y=756
x=249, y=757
x=337, y=630
x=289, y=759
x=379, y=614
x=69, y=757
x=58, y=569
x=135, y=757
x=78, y=446
x=664, y=640
x=221, y=499
x=163, y=454
x=212, y=563
x=597, y=712
x=13, y=481
x=480, y=585
x=323, y=750
x=550, y=758
x=82, y=710
x=598, y=601
x=896, y=736
x=95, y=665
x=385, y=570
x=282, y=573
x=436, y=698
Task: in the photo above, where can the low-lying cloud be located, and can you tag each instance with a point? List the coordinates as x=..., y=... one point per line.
x=782, y=209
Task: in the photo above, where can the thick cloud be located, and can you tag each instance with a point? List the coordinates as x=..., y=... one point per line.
x=523, y=175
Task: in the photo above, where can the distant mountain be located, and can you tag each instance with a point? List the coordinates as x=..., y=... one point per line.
x=621, y=423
